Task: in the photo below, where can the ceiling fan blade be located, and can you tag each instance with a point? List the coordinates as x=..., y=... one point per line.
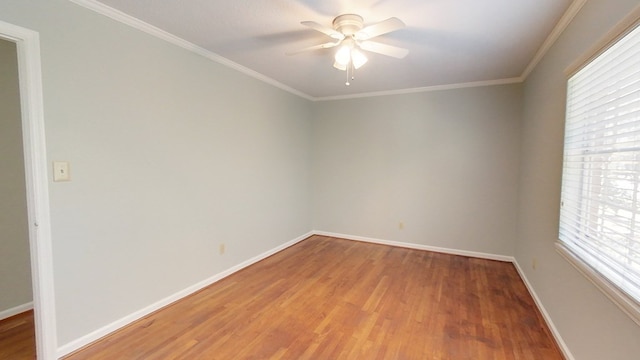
x=324, y=29
x=384, y=49
x=315, y=47
x=383, y=27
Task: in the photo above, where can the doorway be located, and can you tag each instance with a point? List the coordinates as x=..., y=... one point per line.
x=15, y=263
x=27, y=47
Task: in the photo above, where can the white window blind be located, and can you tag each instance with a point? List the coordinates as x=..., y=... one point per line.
x=600, y=208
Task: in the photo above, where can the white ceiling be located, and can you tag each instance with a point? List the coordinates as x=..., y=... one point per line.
x=449, y=41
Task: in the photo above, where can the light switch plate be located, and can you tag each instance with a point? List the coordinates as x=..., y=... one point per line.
x=61, y=171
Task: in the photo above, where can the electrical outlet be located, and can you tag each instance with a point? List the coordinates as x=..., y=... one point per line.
x=534, y=263
x=401, y=225
x=222, y=248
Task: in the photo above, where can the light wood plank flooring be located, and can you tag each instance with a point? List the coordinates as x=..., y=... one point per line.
x=327, y=298
x=17, y=337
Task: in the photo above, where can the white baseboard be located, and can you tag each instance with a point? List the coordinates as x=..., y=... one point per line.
x=474, y=254
x=105, y=330
x=5, y=314
x=554, y=331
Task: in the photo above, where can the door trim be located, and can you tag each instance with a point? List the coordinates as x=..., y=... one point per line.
x=35, y=162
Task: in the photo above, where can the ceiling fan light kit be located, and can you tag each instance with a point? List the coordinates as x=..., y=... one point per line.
x=349, y=52
x=352, y=38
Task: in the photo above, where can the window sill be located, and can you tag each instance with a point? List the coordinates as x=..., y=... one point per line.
x=628, y=305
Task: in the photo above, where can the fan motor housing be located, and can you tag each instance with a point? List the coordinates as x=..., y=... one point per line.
x=348, y=24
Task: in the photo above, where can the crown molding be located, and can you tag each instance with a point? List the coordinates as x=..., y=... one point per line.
x=562, y=24
x=138, y=24
x=514, y=80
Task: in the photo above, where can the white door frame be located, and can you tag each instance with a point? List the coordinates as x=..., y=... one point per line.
x=35, y=162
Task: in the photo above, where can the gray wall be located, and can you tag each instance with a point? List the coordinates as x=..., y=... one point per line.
x=592, y=326
x=444, y=163
x=171, y=155
x=15, y=267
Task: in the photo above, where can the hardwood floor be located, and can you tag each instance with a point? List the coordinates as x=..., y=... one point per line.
x=328, y=298
x=17, y=337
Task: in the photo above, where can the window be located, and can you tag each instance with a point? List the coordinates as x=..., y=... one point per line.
x=600, y=205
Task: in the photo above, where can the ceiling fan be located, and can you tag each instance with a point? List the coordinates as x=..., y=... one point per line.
x=348, y=32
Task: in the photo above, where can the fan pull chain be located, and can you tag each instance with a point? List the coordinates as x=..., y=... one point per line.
x=353, y=71
x=350, y=69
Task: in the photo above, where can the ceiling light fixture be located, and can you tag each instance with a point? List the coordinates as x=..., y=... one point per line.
x=352, y=37
x=349, y=58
